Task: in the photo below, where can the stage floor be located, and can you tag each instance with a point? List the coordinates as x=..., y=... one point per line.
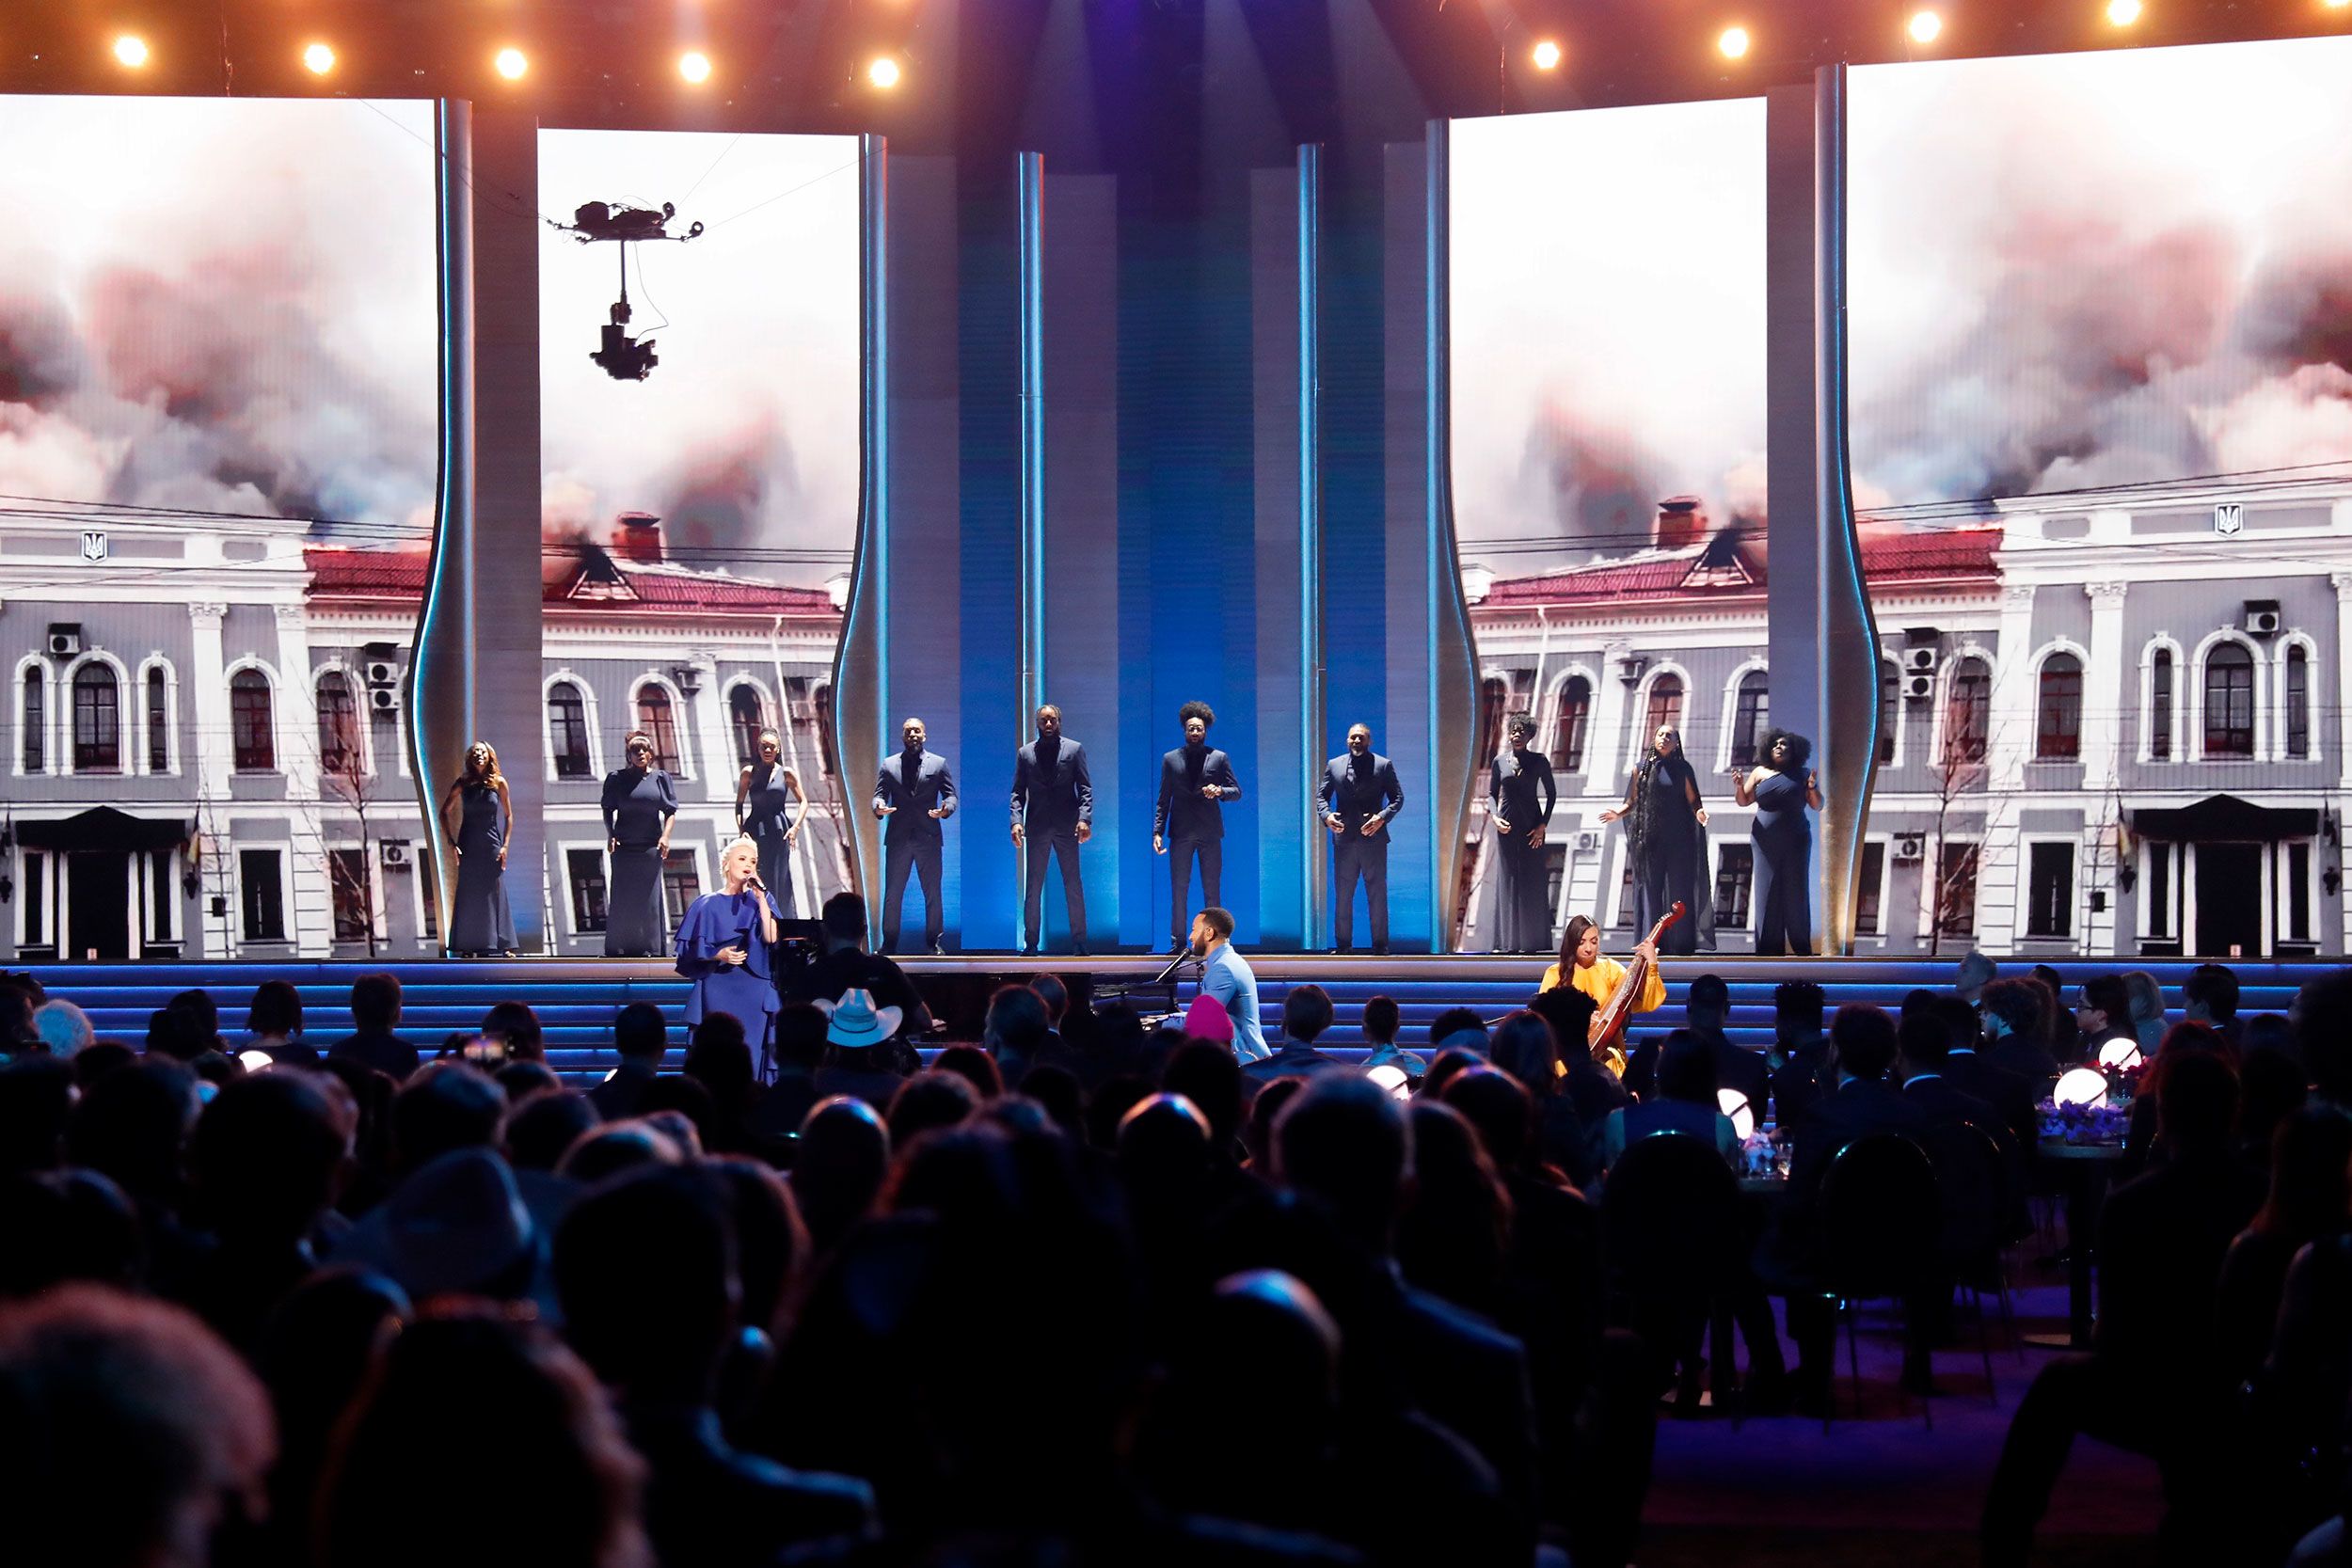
x=576, y=998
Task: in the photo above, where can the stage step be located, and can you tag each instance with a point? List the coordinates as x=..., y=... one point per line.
x=575, y=998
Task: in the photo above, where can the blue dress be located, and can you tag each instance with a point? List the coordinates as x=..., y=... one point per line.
x=748, y=989
x=636, y=803
x=1782, y=862
x=480, y=921
x=766, y=816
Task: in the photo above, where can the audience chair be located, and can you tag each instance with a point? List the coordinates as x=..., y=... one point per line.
x=1878, y=1225
x=1670, y=1229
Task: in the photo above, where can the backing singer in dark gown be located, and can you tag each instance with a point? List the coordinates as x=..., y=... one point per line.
x=1782, y=790
x=480, y=920
x=1664, y=815
x=640, y=799
x=763, y=812
x=1519, y=797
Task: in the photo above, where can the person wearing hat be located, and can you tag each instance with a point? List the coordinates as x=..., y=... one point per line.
x=724, y=947
x=863, y=1037
x=1227, y=978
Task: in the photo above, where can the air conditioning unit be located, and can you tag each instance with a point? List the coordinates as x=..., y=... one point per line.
x=1587, y=842
x=382, y=672
x=65, y=639
x=396, y=854
x=1630, y=671
x=2262, y=617
x=1919, y=688
x=1909, y=849
x=383, y=699
x=1919, y=662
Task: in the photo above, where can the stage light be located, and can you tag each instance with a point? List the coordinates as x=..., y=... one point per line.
x=1733, y=43
x=1926, y=26
x=511, y=64
x=1546, y=55
x=883, y=73
x=2336, y=5
x=130, y=50
x=2122, y=13
x=694, y=66
x=318, y=59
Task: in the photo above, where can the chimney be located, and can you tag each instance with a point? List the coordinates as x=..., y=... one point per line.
x=1681, y=522
x=639, y=538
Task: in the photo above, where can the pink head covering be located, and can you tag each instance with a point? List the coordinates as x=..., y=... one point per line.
x=1206, y=1019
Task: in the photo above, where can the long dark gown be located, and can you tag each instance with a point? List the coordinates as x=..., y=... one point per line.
x=1520, y=790
x=480, y=921
x=766, y=815
x=1663, y=841
x=1782, y=892
x=636, y=802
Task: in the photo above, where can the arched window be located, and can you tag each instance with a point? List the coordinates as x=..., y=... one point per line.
x=656, y=716
x=1494, y=696
x=2298, y=701
x=2160, y=707
x=97, y=721
x=567, y=730
x=339, y=724
x=1890, y=710
x=1572, y=710
x=250, y=734
x=2059, y=710
x=1666, y=706
x=1751, y=715
x=1967, y=712
x=158, y=722
x=2229, y=701
x=745, y=718
x=36, y=724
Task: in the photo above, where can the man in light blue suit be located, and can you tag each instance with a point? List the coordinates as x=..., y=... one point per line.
x=1226, y=977
x=913, y=796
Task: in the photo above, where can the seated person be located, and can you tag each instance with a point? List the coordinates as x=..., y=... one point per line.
x=1685, y=1103
x=846, y=966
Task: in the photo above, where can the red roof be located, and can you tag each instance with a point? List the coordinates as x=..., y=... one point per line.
x=339, y=572
x=1888, y=555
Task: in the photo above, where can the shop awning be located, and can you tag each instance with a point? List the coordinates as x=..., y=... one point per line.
x=2220, y=818
x=102, y=828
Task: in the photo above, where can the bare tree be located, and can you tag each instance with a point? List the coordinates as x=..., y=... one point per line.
x=345, y=782
x=1961, y=770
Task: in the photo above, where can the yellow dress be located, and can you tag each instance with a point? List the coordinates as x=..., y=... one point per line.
x=1601, y=981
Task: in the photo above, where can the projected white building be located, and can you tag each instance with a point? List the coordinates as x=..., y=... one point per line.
x=2115, y=727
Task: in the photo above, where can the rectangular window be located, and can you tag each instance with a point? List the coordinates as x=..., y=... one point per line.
x=430, y=886
x=1867, y=881
x=35, y=703
x=161, y=894
x=2159, y=911
x=97, y=721
x=2160, y=709
x=1956, y=889
x=681, y=883
x=2299, y=893
x=2299, y=706
x=36, y=899
x=2050, y=890
x=1625, y=895
x=1735, y=873
x=1555, y=874
x=347, y=870
x=1890, y=710
x=586, y=873
x=265, y=899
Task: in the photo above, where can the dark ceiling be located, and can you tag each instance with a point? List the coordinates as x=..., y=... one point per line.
x=1107, y=82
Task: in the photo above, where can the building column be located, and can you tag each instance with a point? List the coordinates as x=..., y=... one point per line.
x=2334, y=702
x=711, y=749
x=209, y=765
x=2102, y=688
x=1607, y=740
x=2012, y=721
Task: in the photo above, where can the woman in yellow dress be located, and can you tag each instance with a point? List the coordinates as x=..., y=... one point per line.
x=1586, y=970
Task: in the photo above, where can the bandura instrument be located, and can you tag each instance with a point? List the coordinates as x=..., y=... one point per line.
x=1607, y=1034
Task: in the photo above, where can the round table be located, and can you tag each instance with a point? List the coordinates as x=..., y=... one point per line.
x=2085, y=1168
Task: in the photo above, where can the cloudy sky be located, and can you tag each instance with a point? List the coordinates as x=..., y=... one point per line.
x=745, y=437
x=222, y=305
x=2105, y=268
x=1608, y=323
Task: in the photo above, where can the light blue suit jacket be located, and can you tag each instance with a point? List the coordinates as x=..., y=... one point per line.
x=1227, y=976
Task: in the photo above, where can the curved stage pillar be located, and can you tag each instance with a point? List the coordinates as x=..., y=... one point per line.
x=861, y=673
x=1823, y=641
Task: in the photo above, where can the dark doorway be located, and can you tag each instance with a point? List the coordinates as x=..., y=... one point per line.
x=97, y=905
x=2229, y=900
